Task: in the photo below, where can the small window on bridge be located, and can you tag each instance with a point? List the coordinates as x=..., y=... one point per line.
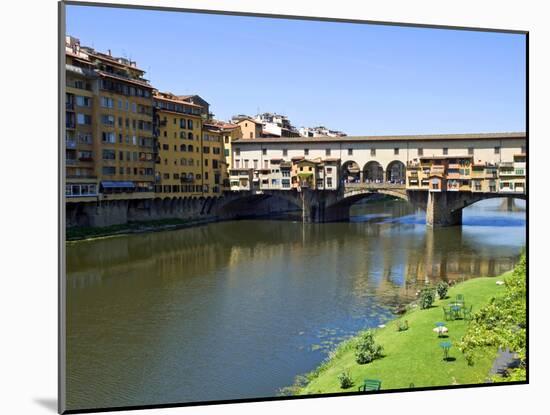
x=445, y=151
x=470, y=151
x=373, y=152
x=306, y=151
x=420, y=151
x=350, y=151
x=497, y=150
x=396, y=150
x=327, y=152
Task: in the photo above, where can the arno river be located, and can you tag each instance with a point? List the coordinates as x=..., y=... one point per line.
x=238, y=309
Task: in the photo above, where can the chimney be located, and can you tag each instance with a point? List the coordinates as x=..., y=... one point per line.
x=109, y=52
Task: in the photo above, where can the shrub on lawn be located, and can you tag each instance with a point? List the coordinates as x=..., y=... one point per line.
x=442, y=288
x=366, y=349
x=403, y=325
x=345, y=380
x=427, y=297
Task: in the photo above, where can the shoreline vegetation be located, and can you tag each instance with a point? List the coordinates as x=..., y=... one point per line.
x=80, y=233
x=411, y=354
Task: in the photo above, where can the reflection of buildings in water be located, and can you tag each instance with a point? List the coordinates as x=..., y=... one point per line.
x=448, y=257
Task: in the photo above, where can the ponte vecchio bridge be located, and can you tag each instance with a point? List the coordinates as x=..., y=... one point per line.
x=441, y=174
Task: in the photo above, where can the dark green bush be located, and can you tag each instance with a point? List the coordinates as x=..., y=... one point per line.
x=366, y=349
x=345, y=380
x=442, y=288
x=427, y=298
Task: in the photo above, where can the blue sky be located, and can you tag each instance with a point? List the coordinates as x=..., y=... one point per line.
x=362, y=79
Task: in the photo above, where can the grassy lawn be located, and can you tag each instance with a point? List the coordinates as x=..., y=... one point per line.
x=414, y=356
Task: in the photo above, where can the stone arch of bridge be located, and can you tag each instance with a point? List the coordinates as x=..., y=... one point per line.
x=464, y=200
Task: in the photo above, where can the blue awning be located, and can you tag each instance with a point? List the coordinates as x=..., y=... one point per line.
x=118, y=185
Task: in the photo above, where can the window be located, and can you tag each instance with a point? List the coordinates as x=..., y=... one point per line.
x=106, y=102
x=108, y=170
x=445, y=151
x=134, y=107
x=120, y=104
x=497, y=150
x=190, y=124
x=329, y=181
x=107, y=119
x=373, y=152
x=190, y=136
x=306, y=151
x=470, y=151
x=246, y=164
x=83, y=101
x=327, y=152
x=215, y=164
x=396, y=150
x=251, y=135
x=108, y=137
x=255, y=164
x=350, y=151
x=264, y=151
x=237, y=151
x=420, y=152
x=183, y=123
x=285, y=152
x=206, y=150
x=206, y=162
x=83, y=119
x=190, y=148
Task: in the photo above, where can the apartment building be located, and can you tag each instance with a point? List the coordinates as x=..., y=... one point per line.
x=109, y=127
x=512, y=175
x=319, y=131
x=250, y=128
x=240, y=179
x=214, y=165
x=178, y=168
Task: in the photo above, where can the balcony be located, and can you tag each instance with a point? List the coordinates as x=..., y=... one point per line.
x=437, y=170
x=505, y=164
x=70, y=144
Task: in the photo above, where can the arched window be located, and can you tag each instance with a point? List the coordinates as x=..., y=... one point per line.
x=190, y=136
x=183, y=162
x=191, y=162
x=182, y=134
x=190, y=148
x=183, y=147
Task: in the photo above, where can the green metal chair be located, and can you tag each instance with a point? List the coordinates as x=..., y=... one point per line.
x=370, y=385
x=467, y=313
x=447, y=314
x=460, y=299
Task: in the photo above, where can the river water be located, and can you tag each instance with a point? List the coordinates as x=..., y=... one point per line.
x=237, y=309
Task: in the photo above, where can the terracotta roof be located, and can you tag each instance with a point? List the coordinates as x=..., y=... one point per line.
x=431, y=137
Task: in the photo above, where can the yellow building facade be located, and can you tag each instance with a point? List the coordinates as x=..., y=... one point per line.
x=178, y=168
